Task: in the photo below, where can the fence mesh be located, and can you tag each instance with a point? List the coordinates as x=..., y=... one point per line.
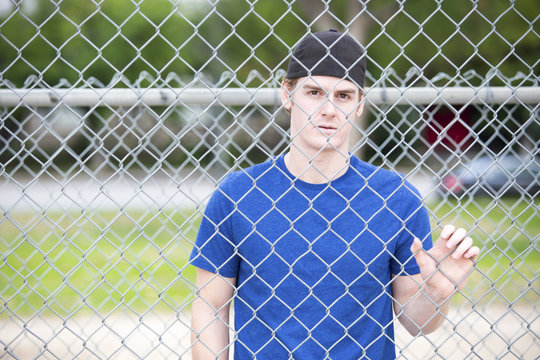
x=102, y=192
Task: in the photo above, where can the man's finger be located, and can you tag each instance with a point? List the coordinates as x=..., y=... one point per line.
x=447, y=231
x=463, y=247
x=416, y=245
x=418, y=252
x=472, y=253
x=456, y=238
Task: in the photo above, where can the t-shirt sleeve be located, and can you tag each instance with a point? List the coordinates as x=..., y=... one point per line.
x=416, y=224
x=214, y=249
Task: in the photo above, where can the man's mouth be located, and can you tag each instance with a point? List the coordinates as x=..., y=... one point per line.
x=327, y=128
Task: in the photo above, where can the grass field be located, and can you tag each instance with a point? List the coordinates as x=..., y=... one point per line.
x=69, y=263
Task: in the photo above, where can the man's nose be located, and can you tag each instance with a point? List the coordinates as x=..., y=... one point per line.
x=329, y=107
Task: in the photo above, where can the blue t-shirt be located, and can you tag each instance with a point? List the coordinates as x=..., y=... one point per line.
x=313, y=262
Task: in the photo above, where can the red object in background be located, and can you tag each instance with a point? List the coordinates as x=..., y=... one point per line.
x=452, y=184
x=448, y=127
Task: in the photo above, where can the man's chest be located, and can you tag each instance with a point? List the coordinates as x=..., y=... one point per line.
x=345, y=243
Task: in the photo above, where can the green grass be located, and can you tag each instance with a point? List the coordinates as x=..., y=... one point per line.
x=76, y=262
x=70, y=263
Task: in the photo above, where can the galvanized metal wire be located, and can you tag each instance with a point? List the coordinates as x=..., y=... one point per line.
x=103, y=184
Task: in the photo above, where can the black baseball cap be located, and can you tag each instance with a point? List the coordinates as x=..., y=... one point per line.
x=329, y=53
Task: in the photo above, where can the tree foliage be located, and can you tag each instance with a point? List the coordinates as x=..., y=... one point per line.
x=78, y=40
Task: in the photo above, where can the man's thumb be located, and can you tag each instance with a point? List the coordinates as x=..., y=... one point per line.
x=417, y=251
x=416, y=246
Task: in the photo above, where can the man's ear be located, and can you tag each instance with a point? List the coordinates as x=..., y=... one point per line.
x=360, y=108
x=286, y=97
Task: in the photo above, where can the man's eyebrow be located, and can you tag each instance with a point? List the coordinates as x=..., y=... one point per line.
x=319, y=88
x=312, y=87
x=346, y=91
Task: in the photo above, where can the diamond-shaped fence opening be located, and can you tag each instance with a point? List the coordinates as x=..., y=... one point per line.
x=123, y=120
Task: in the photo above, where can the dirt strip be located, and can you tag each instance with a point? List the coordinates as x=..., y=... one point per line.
x=487, y=333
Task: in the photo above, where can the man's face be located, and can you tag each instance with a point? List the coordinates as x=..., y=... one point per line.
x=322, y=110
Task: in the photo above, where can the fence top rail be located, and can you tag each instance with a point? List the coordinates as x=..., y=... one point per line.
x=260, y=96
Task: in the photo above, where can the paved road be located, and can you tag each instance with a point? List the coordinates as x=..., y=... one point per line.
x=115, y=192
x=121, y=191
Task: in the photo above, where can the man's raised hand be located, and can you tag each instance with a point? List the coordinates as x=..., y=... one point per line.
x=447, y=265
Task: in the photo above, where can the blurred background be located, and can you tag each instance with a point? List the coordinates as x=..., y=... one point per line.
x=101, y=192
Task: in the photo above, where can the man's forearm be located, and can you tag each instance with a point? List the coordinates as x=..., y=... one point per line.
x=422, y=300
x=424, y=312
x=210, y=331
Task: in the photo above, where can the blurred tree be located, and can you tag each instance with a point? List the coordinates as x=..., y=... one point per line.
x=77, y=40
x=439, y=36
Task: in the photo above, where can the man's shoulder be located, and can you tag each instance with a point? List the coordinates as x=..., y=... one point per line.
x=384, y=180
x=370, y=171
x=249, y=177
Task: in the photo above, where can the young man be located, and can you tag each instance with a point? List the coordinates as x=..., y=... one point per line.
x=316, y=247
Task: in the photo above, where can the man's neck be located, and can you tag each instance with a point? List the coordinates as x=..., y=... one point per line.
x=319, y=168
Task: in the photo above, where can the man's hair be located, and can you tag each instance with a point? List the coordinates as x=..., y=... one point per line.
x=290, y=83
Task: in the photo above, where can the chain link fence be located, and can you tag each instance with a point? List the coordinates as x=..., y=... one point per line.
x=119, y=119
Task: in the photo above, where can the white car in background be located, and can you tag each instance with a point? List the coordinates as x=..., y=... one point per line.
x=495, y=176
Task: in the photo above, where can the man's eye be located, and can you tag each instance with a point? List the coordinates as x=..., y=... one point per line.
x=344, y=96
x=314, y=92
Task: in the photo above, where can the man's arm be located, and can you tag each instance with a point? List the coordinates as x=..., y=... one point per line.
x=210, y=316
x=421, y=301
